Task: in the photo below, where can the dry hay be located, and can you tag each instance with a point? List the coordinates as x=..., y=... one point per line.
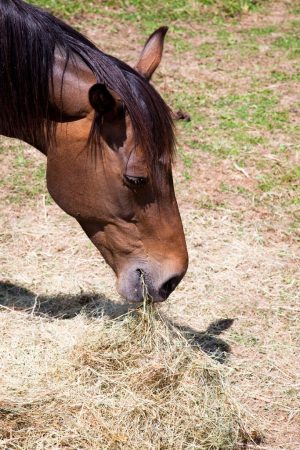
x=134, y=382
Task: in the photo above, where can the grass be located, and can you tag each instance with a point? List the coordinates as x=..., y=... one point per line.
x=262, y=31
x=253, y=109
x=147, y=13
x=280, y=76
x=66, y=8
x=290, y=43
x=289, y=178
x=75, y=375
x=25, y=177
x=132, y=382
x=240, y=124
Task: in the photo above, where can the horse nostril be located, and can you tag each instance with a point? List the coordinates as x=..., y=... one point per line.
x=169, y=287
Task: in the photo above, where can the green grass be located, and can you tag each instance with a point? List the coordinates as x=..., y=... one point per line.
x=66, y=8
x=235, y=125
x=25, y=179
x=280, y=76
x=292, y=176
x=239, y=126
x=206, y=50
x=258, y=109
x=210, y=204
x=149, y=12
x=241, y=119
x=231, y=121
x=187, y=160
x=290, y=43
x=262, y=31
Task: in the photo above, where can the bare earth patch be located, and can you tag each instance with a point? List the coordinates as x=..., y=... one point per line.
x=239, y=302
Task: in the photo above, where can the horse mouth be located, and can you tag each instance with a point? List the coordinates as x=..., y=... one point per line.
x=138, y=286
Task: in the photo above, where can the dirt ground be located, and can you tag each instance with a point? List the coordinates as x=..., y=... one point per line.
x=243, y=241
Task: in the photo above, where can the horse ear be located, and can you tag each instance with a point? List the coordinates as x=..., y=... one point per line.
x=101, y=99
x=152, y=53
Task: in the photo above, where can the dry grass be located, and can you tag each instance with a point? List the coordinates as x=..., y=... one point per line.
x=56, y=347
x=131, y=382
x=77, y=371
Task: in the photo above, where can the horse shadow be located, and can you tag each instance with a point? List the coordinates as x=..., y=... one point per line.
x=64, y=307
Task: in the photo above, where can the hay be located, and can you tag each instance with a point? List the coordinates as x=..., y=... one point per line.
x=134, y=382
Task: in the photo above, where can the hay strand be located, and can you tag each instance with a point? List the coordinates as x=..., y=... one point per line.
x=132, y=382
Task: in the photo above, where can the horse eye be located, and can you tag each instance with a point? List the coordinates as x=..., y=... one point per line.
x=135, y=181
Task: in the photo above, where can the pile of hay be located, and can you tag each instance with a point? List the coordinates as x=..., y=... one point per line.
x=134, y=382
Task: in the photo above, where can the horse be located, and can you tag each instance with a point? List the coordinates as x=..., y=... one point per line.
x=109, y=141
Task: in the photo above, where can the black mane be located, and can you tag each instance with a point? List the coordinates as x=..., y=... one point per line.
x=28, y=37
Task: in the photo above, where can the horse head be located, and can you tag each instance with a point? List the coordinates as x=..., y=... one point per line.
x=119, y=187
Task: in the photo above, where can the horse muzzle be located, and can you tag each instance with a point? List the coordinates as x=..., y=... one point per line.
x=157, y=283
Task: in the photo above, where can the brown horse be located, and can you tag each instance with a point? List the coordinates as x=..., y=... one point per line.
x=109, y=141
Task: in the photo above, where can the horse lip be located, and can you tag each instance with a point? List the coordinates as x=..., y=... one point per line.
x=132, y=289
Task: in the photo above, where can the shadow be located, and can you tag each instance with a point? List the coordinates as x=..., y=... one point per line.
x=96, y=305
x=207, y=340
x=60, y=306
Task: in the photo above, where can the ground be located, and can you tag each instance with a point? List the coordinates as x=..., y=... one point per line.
x=237, y=180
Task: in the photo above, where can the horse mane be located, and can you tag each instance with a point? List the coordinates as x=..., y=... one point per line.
x=28, y=38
